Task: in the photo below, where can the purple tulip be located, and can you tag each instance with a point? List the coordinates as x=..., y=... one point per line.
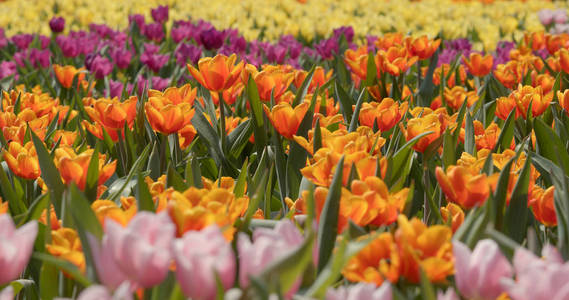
x=115, y=88
x=17, y=245
x=154, y=32
x=101, y=30
x=154, y=61
x=3, y=39
x=22, y=41
x=347, y=31
x=39, y=58
x=44, y=41
x=200, y=256
x=478, y=273
x=101, y=66
x=211, y=38
x=186, y=52
x=121, y=57
x=57, y=24
x=160, y=14
x=68, y=46
x=138, y=20
x=327, y=48
x=181, y=33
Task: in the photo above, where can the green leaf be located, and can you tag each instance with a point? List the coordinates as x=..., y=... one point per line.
x=427, y=289
x=469, y=143
x=317, y=140
x=427, y=87
x=501, y=193
x=257, y=115
x=301, y=92
x=92, y=176
x=354, y=121
x=58, y=263
x=399, y=164
x=517, y=211
x=505, y=139
x=371, y=70
x=135, y=169
x=449, y=150
x=16, y=203
x=193, y=173
x=345, y=102
x=143, y=197
x=173, y=179
x=49, y=173
x=550, y=145
x=327, y=229
x=49, y=281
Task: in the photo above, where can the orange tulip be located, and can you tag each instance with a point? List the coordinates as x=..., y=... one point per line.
x=535, y=40
x=395, y=61
x=478, y=65
x=218, y=73
x=443, y=72
x=65, y=75
x=112, y=114
x=229, y=95
x=3, y=206
x=66, y=138
x=65, y=244
x=545, y=81
x=109, y=209
x=273, y=80
x=176, y=95
x=377, y=262
x=462, y=186
x=455, y=213
x=168, y=117
x=509, y=74
x=417, y=126
x=389, y=40
x=22, y=160
x=387, y=113
x=357, y=61
x=455, y=97
x=54, y=222
x=526, y=94
x=319, y=78
x=543, y=206
x=563, y=98
x=73, y=167
x=286, y=119
x=428, y=248
x=505, y=105
x=422, y=47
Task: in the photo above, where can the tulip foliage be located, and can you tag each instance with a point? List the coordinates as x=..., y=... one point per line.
x=396, y=169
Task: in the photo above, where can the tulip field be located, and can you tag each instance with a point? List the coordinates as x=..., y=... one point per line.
x=294, y=149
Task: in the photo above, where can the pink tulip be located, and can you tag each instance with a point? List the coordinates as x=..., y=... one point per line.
x=478, y=274
x=268, y=246
x=108, y=270
x=7, y=293
x=200, y=255
x=16, y=246
x=537, y=278
x=560, y=16
x=360, y=291
x=99, y=292
x=450, y=294
x=142, y=250
x=545, y=16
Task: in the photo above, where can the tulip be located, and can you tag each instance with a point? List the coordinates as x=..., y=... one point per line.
x=3, y=207
x=357, y=61
x=286, y=119
x=537, y=278
x=268, y=246
x=65, y=244
x=422, y=47
x=542, y=205
x=167, y=117
x=375, y=263
x=142, y=249
x=273, y=80
x=478, y=273
x=15, y=248
x=23, y=160
x=457, y=95
x=387, y=113
x=478, y=65
x=395, y=61
x=360, y=291
x=99, y=292
x=218, y=73
x=66, y=74
x=463, y=187
x=200, y=257
x=417, y=126
x=7, y=293
x=112, y=114
x=74, y=168
x=160, y=14
x=108, y=270
x=455, y=213
x=450, y=294
x=428, y=248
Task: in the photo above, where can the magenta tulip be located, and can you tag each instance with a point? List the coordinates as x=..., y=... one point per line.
x=16, y=246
